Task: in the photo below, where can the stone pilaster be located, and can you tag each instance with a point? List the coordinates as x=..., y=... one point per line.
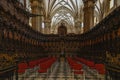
x=88, y=14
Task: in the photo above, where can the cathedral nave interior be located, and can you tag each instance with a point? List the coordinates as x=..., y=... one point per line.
x=59, y=39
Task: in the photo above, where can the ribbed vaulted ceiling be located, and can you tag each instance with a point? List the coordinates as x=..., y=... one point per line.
x=63, y=10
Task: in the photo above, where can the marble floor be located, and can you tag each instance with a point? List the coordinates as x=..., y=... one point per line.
x=61, y=71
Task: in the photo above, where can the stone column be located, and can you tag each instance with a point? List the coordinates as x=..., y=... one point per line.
x=45, y=31
x=81, y=28
x=77, y=26
x=117, y=2
x=107, y=8
x=41, y=18
x=88, y=14
x=37, y=10
x=47, y=26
